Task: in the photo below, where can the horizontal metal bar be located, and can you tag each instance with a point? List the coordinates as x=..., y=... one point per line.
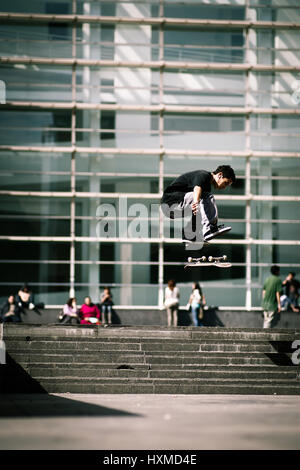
x=153, y=64
x=150, y=108
x=113, y=285
x=138, y=263
x=149, y=219
x=200, y=23
x=80, y=194
x=130, y=175
x=228, y=241
x=148, y=132
x=116, y=195
x=150, y=151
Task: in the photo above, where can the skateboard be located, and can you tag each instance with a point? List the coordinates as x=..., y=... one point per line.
x=219, y=261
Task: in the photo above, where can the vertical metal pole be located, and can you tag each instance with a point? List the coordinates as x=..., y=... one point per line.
x=73, y=162
x=248, y=300
x=161, y=161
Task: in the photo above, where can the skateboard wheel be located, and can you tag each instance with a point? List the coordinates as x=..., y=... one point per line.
x=210, y=258
x=224, y=258
x=203, y=258
x=190, y=259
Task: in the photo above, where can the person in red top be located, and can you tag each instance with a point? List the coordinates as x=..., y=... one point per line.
x=89, y=313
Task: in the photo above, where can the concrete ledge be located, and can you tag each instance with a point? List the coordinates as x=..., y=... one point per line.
x=212, y=317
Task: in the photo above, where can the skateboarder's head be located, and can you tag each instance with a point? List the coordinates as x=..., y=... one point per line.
x=223, y=176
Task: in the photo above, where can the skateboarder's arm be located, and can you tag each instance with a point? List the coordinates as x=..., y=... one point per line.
x=197, y=193
x=197, y=196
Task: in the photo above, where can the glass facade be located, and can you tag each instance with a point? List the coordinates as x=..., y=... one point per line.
x=104, y=103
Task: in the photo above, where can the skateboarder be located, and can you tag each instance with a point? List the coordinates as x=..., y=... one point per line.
x=190, y=193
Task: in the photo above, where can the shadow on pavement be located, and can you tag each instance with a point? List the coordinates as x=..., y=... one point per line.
x=27, y=405
x=23, y=396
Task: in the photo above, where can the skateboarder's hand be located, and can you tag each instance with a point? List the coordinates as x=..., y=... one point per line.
x=195, y=207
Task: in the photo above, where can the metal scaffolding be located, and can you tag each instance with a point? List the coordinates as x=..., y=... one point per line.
x=161, y=109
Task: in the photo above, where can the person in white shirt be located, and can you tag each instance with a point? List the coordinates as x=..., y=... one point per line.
x=172, y=303
x=196, y=301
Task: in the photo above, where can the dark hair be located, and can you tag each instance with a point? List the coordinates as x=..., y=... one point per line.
x=70, y=301
x=227, y=171
x=25, y=288
x=171, y=283
x=107, y=288
x=275, y=270
x=293, y=274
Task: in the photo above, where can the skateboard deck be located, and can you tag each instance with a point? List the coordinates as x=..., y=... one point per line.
x=219, y=261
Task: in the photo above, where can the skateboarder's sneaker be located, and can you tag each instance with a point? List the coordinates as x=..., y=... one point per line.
x=215, y=231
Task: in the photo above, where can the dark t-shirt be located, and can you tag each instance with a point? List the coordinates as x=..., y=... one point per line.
x=175, y=192
x=295, y=283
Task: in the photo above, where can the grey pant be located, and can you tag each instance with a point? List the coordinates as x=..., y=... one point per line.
x=198, y=224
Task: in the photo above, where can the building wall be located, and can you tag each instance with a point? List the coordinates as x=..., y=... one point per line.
x=101, y=114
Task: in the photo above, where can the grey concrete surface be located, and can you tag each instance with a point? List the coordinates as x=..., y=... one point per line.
x=180, y=422
x=212, y=317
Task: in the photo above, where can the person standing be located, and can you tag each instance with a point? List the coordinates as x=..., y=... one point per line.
x=172, y=303
x=106, y=304
x=271, y=297
x=196, y=301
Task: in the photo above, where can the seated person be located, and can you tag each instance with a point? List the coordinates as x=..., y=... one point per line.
x=89, y=313
x=70, y=312
x=10, y=311
x=289, y=301
x=25, y=298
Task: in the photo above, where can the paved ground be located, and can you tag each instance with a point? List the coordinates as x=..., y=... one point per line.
x=180, y=422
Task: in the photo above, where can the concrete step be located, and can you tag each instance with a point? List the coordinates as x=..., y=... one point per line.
x=97, y=366
x=187, y=333
x=148, y=346
x=59, y=359
x=155, y=358
x=168, y=386
x=66, y=372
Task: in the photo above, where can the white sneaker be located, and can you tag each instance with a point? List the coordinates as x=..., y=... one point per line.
x=215, y=232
